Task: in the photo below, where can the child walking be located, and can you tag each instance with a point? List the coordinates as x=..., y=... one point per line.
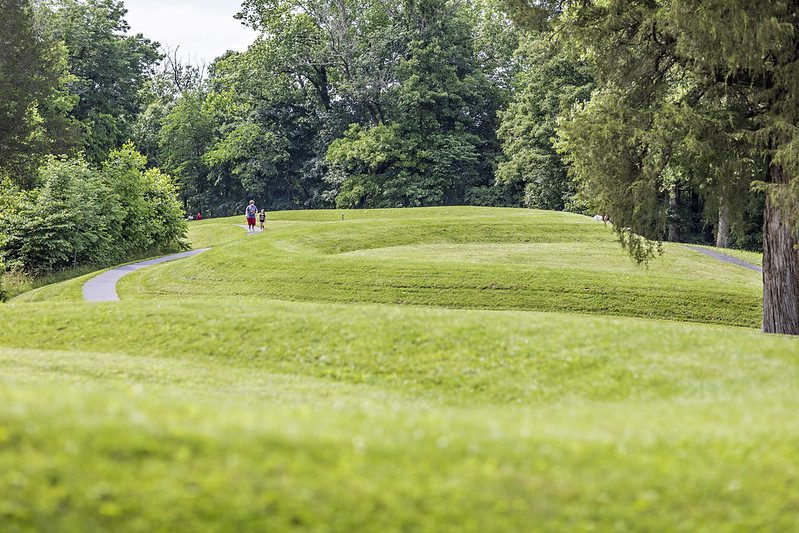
x=262, y=218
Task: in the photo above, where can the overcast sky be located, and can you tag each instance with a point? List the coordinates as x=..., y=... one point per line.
x=204, y=29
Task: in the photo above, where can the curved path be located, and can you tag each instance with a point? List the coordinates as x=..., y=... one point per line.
x=103, y=288
x=724, y=257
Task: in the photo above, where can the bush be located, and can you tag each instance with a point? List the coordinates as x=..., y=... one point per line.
x=61, y=224
x=146, y=216
x=82, y=215
x=10, y=198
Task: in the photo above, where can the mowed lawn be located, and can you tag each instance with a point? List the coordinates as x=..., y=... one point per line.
x=442, y=369
x=483, y=258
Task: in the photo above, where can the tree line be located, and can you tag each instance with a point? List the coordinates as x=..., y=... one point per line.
x=677, y=119
x=394, y=103
x=691, y=96
x=74, y=190
x=339, y=103
x=383, y=103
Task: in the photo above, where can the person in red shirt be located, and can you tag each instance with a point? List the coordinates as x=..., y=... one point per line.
x=250, y=213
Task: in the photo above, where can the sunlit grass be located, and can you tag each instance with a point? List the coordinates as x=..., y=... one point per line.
x=272, y=384
x=480, y=258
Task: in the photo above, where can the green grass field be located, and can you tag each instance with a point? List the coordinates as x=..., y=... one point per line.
x=441, y=369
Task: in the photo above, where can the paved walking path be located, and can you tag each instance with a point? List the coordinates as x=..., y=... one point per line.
x=103, y=288
x=724, y=257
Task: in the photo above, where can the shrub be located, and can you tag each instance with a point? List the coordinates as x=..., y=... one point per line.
x=10, y=199
x=166, y=222
x=60, y=224
x=146, y=215
x=84, y=215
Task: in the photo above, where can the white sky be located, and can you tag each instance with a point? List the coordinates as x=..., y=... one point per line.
x=204, y=29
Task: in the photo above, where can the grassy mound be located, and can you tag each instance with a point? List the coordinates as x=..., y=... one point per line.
x=185, y=408
x=463, y=258
x=479, y=258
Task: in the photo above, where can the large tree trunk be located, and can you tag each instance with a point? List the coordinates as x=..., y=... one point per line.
x=723, y=228
x=780, y=266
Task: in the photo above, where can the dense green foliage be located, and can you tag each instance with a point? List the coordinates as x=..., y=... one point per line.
x=339, y=104
x=85, y=215
x=202, y=403
x=549, y=85
x=109, y=69
x=433, y=147
x=33, y=102
x=72, y=79
x=690, y=117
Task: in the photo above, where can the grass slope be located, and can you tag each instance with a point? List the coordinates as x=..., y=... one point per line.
x=295, y=414
x=484, y=258
x=177, y=409
x=527, y=260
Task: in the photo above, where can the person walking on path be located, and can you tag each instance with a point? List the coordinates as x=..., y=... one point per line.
x=250, y=213
x=262, y=219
